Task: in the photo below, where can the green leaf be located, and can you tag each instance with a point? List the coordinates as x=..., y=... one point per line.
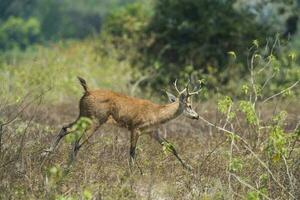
x=236, y=165
x=232, y=53
x=167, y=147
x=253, y=195
x=87, y=195
x=255, y=43
x=292, y=56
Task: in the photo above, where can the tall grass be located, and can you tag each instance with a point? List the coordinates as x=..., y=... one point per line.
x=241, y=148
x=56, y=67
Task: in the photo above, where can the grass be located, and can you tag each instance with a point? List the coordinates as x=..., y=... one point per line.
x=102, y=171
x=40, y=68
x=232, y=158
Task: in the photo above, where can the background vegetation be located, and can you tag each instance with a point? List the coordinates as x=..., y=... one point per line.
x=246, y=144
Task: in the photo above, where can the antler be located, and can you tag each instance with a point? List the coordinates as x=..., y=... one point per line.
x=175, y=85
x=196, y=89
x=187, y=86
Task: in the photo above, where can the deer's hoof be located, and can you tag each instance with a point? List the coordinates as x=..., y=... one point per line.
x=188, y=167
x=46, y=152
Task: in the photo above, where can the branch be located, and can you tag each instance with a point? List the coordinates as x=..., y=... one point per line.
x=249, y=186
x=247, y=146
x=38, y=98
x=136, y=84
x=283, y=91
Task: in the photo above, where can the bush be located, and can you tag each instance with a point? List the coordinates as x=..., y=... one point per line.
x=189, y=37
x=124, y=29
x=40, y=68
x=19, y=33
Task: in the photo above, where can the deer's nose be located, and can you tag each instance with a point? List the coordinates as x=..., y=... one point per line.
x=196, y=117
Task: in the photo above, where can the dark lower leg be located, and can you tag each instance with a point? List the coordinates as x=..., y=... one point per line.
x=75, y=150
x=162, y=141
x=133, y=140
x=132, y=154
x=76, y=146
x=132, y=160
x=62, y=133
x=87, y=139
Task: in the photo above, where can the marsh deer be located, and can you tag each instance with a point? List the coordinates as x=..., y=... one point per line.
x=137, y=115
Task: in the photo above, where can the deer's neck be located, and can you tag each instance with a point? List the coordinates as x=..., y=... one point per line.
x=169, y=111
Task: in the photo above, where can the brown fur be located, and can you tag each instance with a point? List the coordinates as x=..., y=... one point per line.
x=129, y=112
x=138, y=115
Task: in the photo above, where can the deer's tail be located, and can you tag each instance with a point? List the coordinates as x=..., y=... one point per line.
x=83, y=84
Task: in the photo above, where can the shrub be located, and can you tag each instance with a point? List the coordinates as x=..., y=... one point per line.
x=180, y=38
x=19, y=33
x=124, y=29
x=195, y=36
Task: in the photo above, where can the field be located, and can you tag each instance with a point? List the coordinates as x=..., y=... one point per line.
x=242, y=55
x=235, y=152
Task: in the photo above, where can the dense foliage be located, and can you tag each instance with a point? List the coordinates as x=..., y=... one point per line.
x=245, y=144
x=196, y=35
x=202, y=38
x=241, y=148
x=19, y=33
x=54, y=19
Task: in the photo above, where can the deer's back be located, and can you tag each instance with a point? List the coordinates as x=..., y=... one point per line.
x=125, y=110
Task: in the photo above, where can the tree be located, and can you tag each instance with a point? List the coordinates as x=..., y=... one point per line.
x=196, y=36
x=18, y=33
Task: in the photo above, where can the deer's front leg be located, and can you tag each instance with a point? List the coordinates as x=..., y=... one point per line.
x=163, y=142
x=134, y=135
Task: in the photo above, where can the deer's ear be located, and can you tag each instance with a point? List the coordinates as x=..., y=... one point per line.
x=171, y=97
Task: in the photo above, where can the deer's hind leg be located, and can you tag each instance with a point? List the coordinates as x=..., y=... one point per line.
x=134, y=135
x=87, y=135
x=65, y=130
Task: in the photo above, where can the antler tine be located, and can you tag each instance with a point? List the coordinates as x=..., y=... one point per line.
x=187, y=86
x=186, y=89
x=197, y=87
x=175, y=85
x=197, y=92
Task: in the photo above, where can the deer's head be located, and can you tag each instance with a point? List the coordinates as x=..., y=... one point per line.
x=184, y=97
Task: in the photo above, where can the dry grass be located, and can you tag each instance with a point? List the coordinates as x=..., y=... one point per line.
x=102, y=172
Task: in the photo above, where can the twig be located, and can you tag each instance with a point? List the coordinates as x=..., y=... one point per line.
x=288, y=173
x=229, y=163
x=38, y=98
x=295, y=141
x=247, y=146
x=17, y=157
x=227, y=116
x=275, y=95
x=249, y=186
x=210, y=153
x=274, y=44
x=267, y=168
x=252, y=79
x=267, y=81
x=136, y=84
